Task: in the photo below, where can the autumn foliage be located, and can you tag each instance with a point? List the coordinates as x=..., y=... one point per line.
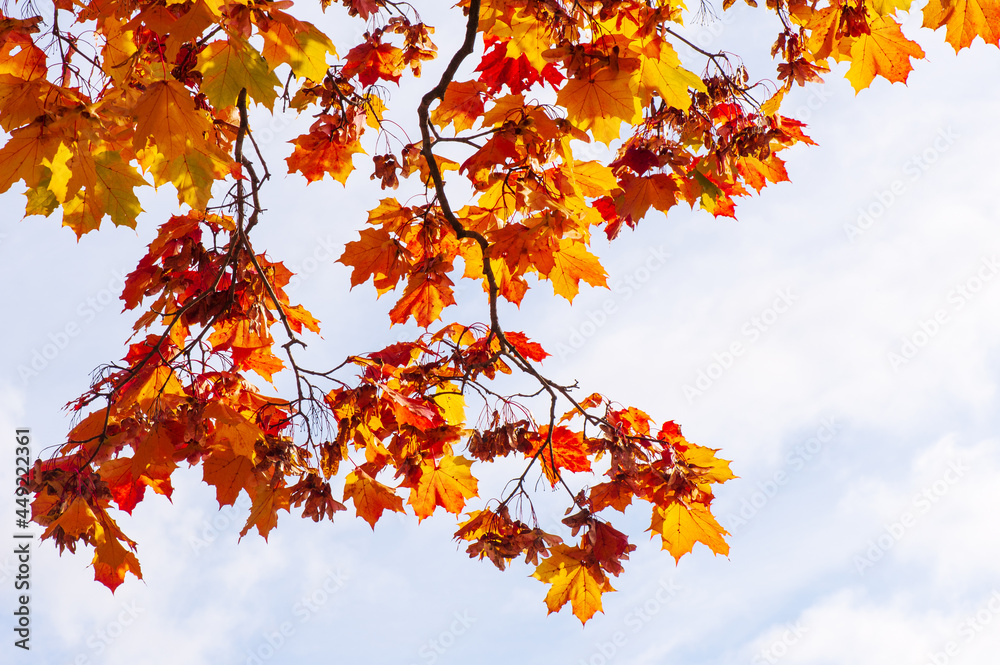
x=99, y=98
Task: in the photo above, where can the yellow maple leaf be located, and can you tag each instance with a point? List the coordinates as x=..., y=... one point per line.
x=965, y=20
x=885, y=52
x=572, y=581
x=822, y=27
x=886, y=7
x=24, y=155
x=229, y=65
x=681, y=526
x=528, y=37
x=92, y=186
x=572, y=263
x=119, y=47
x=660, y=71
x=591, y=179
x=708, y=467
x=602, y=102
x=305, y=48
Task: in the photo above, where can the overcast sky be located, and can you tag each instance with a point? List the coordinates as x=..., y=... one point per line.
x=860, y=412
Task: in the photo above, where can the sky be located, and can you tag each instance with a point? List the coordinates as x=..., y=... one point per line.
x=840, y=343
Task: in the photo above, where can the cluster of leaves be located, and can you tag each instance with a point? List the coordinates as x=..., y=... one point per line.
x=157, y=92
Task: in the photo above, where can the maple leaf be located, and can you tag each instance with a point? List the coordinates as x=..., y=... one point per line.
x=615, y=494
x=527, y=348
x=78, y=519
x=426, y=294
x=167, y=118
x=233, y=429
x=230, y=65
x=572, y=582
x=498, y=70
x=964, y=20
x=24, y=154
x=446, y=483
x=156, y=448
x=322, y=152
x=601, y=102
x=229, y=473
x=374, y=60
x=192, y=173
x=883, y=52
x=267, y=501
x=710, y=469
x=661, y=72
x=571, y=264
x=111, y=560
x=640, y=193
x=376, y=255
x=125, y=488
x=298, y=44
x=108, y=183
x=462, y=105
x=757, y=173
x=371, y=498
x=567, y=453
x=411, y=411
x=681, y=526
x=156, y=386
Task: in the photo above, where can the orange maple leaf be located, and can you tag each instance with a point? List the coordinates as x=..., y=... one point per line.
x=264, y=511
x=426, y=294
x=319, y=153
x=447, y=483
x=965, y=20
x=370, y=497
